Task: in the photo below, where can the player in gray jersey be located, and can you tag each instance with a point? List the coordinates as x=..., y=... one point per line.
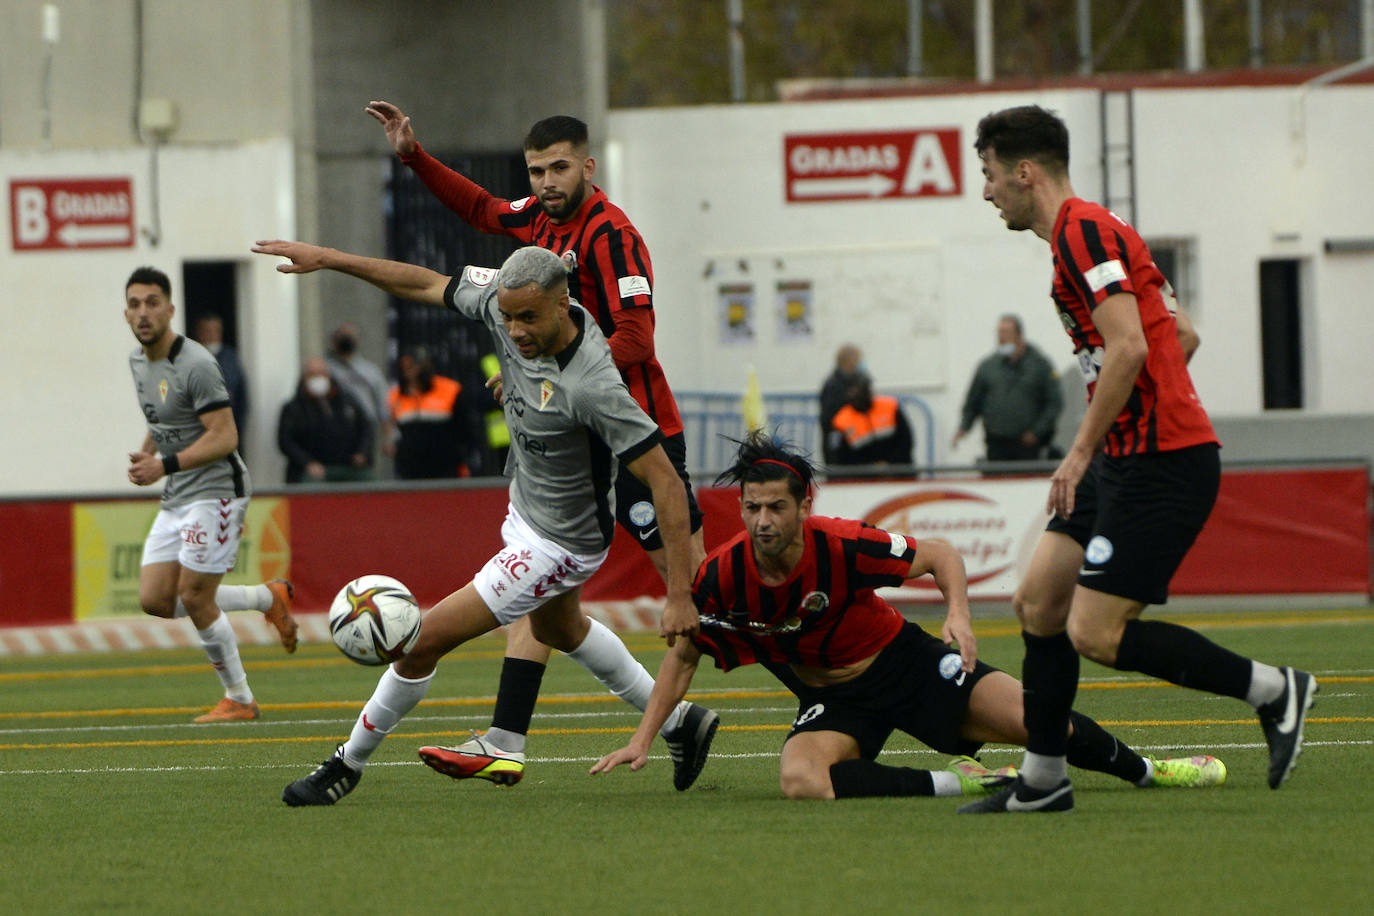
x=572, y=422
x=192, y=442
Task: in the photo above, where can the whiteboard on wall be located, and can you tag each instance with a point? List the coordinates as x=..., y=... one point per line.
x=786, y=312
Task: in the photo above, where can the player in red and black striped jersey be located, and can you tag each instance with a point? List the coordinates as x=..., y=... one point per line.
x=613, y=279
x=794, y=592
x=1137, y=483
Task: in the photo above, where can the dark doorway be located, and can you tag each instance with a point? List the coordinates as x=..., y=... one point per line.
x=210, y=288
x=1281, y=333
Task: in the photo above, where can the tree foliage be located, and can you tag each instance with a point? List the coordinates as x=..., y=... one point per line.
x=677, y=52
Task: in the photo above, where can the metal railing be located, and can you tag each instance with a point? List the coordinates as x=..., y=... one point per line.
x=712, y=418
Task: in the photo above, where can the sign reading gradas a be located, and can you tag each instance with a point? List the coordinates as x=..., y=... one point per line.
x=880, y=164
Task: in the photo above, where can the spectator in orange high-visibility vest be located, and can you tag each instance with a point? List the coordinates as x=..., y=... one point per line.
x=870, y=429
x=429, y=420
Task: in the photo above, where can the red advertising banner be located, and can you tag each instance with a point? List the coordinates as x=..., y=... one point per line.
x=1283, y=532
x=1272, y=532
x=70, y=213
x=866, y=166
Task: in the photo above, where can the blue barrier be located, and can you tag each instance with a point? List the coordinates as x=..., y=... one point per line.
x=712, y=418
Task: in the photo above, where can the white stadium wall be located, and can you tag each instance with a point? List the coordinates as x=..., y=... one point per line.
x=1245, y=174
x=68, y=397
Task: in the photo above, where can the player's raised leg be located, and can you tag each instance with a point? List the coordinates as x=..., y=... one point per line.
x=453, y=621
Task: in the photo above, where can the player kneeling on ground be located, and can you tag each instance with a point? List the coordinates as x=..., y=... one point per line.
x=795, y=593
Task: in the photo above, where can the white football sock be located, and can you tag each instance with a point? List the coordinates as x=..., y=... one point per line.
x=1266, y=684
x=605, y=656
x=236, y=598
x=502, y=740
x=394, y=697
x=946, y=783
x=222, y=648
x=1148, y=779
x=1041, y=772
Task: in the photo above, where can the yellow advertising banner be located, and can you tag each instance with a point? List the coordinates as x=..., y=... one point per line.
x=107, y=552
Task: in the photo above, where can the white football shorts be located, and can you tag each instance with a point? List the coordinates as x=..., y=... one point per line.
x=529, y=571
x=202, y=536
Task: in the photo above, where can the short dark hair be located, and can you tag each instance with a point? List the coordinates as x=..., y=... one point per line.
x=1025, y=132
x=557, y=129
x=151, y=276
x=761, y=457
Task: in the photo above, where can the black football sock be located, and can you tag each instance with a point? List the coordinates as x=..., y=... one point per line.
x=516, y=696
x=1182, y=656
x=1049, y=680
x=869, y=779
x=1092, y=747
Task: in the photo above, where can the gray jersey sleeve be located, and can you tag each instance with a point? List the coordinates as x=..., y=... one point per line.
x=605, y=406
x=469, y=293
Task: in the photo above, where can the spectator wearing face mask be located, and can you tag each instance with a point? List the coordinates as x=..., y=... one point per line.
x=323, y=432
x=360, y=377
x=1016, y=392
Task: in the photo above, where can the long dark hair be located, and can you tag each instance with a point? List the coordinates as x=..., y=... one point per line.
x=761, y=457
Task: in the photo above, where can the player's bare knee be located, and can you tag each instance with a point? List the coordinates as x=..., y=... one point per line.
x=559, y=632
x=1094, y=642
x=159, y=605
x=1036, y=615
x=805, y=783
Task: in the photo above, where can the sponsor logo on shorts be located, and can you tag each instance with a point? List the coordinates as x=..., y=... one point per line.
x=812, y=713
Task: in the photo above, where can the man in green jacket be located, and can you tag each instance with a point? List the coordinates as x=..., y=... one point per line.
x=1016, y=392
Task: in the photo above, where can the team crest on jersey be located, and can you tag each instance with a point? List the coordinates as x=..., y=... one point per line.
x=481, y=276
x=545, y=392
x=570, y=258
x=814, y=603
x=162, y=387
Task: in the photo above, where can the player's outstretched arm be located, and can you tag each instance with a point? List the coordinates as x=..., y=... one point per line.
x=942, y=561
x=396, y=124
x=674, y=677
x=406, y=281
x=670, y=504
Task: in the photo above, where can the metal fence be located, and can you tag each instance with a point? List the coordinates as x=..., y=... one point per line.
x=713, y=418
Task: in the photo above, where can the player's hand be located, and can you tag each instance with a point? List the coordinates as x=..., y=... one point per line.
x=304, y=258
x=144, y=468
x=498, y=390
x=679, y=618
x=959, y=629
x=396, y=124
x=1064, y=483
x=628, y=754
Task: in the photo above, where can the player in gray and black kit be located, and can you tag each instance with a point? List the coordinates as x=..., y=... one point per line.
x=192, y=441
x=572, y=422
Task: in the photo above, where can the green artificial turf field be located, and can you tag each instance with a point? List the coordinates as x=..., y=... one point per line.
x=113, y=802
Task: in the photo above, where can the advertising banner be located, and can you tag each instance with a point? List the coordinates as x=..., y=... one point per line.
x=107, y=552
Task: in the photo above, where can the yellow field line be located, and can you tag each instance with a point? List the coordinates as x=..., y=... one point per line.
x=647, y=642
x=563, y=700
x=607, y=730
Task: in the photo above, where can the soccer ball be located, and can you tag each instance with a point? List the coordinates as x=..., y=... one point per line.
x=374, y=620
